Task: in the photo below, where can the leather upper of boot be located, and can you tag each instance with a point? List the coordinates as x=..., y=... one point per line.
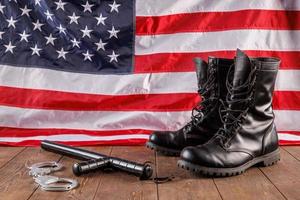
x=248, y=121
x=205, y=117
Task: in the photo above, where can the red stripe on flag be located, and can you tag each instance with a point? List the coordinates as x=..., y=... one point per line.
x=125, y=142
x=56, y=100
x=183, y=62
x=286, y=100
x=287, y=142
x=24, y=132
x=218, y=21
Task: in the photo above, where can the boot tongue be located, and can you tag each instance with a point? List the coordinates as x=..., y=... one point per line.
x=242, y=71
x=201, y=71
x=242, y=68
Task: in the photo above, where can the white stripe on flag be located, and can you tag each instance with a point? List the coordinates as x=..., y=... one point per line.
x=282, y=40
x=288, y=137
x=74, y=138
x=156, y=83
x=168, y=7
x=287, y=120
x=92, y=120
x=114, y=120
x=288, y=80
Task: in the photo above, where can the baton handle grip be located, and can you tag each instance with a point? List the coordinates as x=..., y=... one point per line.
x=90, y=166
x=144, y=171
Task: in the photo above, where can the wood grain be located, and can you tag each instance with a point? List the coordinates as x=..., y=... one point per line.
x=88, y=183
x=8, y=153
x=15, y=183
x=185, y=185
x=119, y=185
x=280, y=181
x=294, y=151
x=250, y=185
x=285, y=175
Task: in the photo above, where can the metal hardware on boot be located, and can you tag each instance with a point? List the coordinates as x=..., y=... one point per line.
x=53, y=183
x=90, y=166
x=248, y=135
x=144, y=171
x=43, y=168
x=205, y=119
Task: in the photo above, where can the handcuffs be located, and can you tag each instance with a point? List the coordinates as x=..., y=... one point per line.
x=53, y=183
x=44, y=168
x=40, y=171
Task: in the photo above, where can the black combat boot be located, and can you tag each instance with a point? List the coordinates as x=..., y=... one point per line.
x=205, y=117
x=248, y=135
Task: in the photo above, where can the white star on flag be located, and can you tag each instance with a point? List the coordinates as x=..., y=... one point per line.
x=48, y=15
x=9, y=48
x=87, y=7
x=50, y=39
x=25, y=11
x=74, y=18
x=1, y=33
x=114, y=7
x=11, y=22
x=100, y=45
x=24, y=36
x=61, y=29
x=60, y=5
x=101, y=19
x=113, y=57
x=37, y=25
x=1, y=8
x=37, y=2
x=87, y=56
x=62, y=53
x=113, y=32
x=86, y=32
x=75, y=42
x=35, y=50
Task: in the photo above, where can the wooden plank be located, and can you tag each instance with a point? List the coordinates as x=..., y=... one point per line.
x=8, y=153
x=15, y=183
x=250, y=185
x=88, y=183
x=119, y=185
x=185, y=185
x=294, y=150
x=285, y=175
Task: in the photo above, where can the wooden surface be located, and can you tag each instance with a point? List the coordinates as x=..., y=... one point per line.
x=281, y=181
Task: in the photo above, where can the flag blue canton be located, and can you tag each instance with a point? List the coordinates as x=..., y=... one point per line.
x=85, y=36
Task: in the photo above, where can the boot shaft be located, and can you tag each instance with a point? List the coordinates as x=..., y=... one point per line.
x=216, y=69
x=266, y=73
x=249, y=117
x=252, y=84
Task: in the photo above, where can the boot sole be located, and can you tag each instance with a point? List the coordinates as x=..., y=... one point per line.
x=265, y=160
x=163, y=150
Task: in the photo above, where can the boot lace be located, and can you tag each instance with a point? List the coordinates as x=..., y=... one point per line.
x=208, y=96
x=234, y=110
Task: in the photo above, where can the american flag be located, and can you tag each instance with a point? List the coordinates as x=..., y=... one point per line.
x=112, y=71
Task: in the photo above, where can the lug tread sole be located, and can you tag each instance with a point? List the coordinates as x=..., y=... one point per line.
x=265, y=161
